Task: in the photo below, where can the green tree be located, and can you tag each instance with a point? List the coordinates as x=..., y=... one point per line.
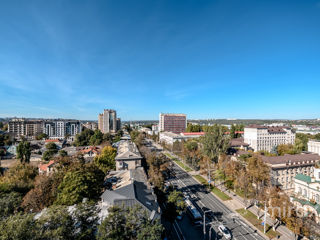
x=82, y=182
x=55, y=223
x=41, y=136
x=18, y=226
x=215, y=142
x=24, y=151
x=9, y=203
x=83, y=138
x=2, y=152
x=302, y=141
x=19, y=178
x=127, y=224
x=106, y=160
x=86, y=217
x=63, y=153
x=96, y=138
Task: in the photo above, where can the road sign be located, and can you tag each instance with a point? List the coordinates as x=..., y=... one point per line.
x=209, y=181
x=262, y=223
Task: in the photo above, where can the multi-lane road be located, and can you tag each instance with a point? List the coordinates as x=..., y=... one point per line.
x=217, y=212
x=205, y=200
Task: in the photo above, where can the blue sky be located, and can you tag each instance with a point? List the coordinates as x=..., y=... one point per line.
x=208, y=59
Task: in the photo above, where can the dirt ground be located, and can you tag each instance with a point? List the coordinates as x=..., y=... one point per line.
x=7, y=163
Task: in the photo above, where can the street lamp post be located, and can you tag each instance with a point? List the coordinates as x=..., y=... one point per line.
x=204, y=223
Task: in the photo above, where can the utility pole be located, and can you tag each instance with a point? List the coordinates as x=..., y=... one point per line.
x=204, y=225
x=265, y=217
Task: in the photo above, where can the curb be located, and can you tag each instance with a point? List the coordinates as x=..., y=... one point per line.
x=245, y=220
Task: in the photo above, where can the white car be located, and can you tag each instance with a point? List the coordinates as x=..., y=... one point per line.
x=225, y=231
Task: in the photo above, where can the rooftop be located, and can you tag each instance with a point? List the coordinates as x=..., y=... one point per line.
x=303, y=178
x=296, y=159
x=132, y=189
x=127, y=150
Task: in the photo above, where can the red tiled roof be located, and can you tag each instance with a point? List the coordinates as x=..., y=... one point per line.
x=193, y=133
x=44, y=167
x=52, y=140
x=237, y=132
x=89, y=149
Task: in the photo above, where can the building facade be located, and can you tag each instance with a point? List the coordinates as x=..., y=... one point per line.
x=307, y=193
x=267, y=138
x=128, y=156
x=314, y=146
x=90, y=125
x=25, y=128
x=285, y=168
x=107, y=121
x=176, y=123
x=60, y=129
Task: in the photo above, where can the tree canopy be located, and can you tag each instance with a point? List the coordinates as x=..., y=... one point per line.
x=85, y=181
x=106, y=160
x=127, y=224
x=24, y=151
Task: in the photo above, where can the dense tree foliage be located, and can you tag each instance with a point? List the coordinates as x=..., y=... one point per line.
x=82, y=182
x=19, y=178
x=18, y=226
x=5, y=140
x=41, y=136
x=43, y=194
x=215, y=142
x=83, y=138
x=106, y=160
x=24, y=151
x=193, y=128
x=128, y=224
x=236, y=128
x=9, y=203
x=52, y=149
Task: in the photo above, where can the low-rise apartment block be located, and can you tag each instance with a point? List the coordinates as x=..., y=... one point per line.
x=267, y=138
x=285, y=168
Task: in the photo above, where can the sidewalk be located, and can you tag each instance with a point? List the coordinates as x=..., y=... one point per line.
x=238, y=202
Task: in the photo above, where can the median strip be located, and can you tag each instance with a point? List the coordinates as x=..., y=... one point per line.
x=214, y=190
x=177, y=161
x=248, y=215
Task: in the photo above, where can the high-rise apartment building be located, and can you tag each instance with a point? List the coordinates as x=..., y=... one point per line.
x=27, y=128
x=267, y=138
x=118, y=124
x=107, y=121
x=59, y=129
x=169, y=122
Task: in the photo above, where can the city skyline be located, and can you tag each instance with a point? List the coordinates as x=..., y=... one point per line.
x=205, y=59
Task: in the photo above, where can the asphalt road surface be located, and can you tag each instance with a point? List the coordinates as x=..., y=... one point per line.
x=217, y=212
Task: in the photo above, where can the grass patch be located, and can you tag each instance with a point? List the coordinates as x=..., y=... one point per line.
x=201, y=179
x=182, y=165
x=220, y=194
x=257, y=222
x=177, y=161
x=214, y=190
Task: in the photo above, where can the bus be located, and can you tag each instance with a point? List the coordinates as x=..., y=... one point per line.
x=194, y=214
